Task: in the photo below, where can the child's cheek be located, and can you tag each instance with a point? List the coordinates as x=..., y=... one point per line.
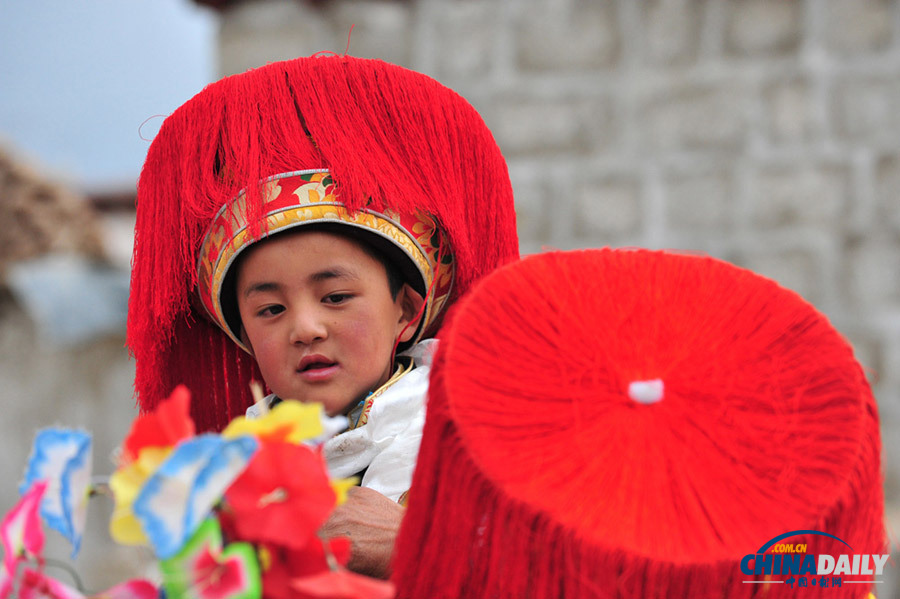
x=362, y=340
x=266, y=351
x=358, y=329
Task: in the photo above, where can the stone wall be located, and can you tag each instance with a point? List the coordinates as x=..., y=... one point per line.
x=761, y=132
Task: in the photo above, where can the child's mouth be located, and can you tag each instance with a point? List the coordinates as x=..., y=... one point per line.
x=316, y=368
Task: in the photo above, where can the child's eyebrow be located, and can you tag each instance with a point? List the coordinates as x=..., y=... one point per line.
x=334, y=272
x=260, y=288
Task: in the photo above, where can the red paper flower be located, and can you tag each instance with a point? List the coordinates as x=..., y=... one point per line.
x=341, y=584
x=283, y=497
x=282, y=566
x=168, y=424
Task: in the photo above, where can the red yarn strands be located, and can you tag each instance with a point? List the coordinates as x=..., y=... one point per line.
x=408, y=127
x=366, y=121
x=544, y=472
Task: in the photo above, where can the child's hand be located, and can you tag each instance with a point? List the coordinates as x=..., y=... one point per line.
x=371, y=521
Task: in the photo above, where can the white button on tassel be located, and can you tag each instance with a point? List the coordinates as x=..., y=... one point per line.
x=646, y=392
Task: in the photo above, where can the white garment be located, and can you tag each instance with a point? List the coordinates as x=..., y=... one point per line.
x=386, y=446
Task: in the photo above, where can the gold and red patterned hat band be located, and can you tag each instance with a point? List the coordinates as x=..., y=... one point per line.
x=308, y=197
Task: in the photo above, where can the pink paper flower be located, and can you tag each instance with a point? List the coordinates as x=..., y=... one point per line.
x=21, y=529
x=33, y=584
x=133, y=589
x=204, y=569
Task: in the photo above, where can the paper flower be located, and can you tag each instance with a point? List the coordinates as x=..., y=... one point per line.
x=21, y=529
x=341, y=487
x=165, y=426
x=6, y=584
x=280, y=565
x=283, y=496
x=202, y=569
x=183, y=490
x=33, y=584
x=62, y=457
x=126, y=483
x=289, y=421
x=341, y=584
x=133, y=589
x=149, y=442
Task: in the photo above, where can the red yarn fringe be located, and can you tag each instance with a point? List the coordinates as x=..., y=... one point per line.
x=539, y=477
x=386, y=133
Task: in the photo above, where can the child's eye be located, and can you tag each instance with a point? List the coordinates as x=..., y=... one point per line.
x=271, y=310
x=336, y=298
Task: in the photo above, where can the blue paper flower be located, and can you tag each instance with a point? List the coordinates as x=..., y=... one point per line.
x=183, y=490
x=63, y=458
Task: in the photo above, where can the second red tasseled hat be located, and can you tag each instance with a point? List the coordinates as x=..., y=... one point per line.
x=639, y=424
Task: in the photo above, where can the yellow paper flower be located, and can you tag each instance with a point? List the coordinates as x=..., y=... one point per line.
x=126, y=483
x=290, y=421
x=341, y=486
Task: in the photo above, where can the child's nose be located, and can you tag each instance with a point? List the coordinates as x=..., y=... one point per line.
x=308, y=327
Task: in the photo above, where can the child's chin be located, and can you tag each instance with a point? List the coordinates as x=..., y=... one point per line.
x=331, y=406
x=335, y=407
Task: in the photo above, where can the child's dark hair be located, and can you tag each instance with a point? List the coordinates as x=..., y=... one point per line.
x=395, y=281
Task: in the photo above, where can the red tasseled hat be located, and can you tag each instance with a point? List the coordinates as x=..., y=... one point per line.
x=633, y=424
x=386, y=140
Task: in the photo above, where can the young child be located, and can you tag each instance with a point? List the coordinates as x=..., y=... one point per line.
x=307, y=224
x=322, y=309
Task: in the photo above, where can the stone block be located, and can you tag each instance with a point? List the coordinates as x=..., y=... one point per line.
x=889, y=328
x=890, y=438
x=799, y=194
x=790, y=111
x=888, y=192
x=865, y=108
x=703, y=200
x=263, y=31
x=695, y=118
x=887, y=393
x=465, y=35
x=608, y=209
x=868, y=349
x=798, y=269
x=671, y=31
x=381, y=28
x=856, y=26
x=871, y=270
x=715, y=244
x=574, y=35
x=763, y=27
x=539, y=198
x=543, y=126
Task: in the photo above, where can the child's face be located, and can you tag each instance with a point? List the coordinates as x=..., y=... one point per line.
x=319, y=318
